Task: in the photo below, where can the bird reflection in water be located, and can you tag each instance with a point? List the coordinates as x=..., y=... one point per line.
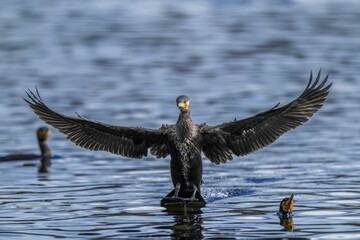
x=285, y=213
x=187, y=222
x=287, y=223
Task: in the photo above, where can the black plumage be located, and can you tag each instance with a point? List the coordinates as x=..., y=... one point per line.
x=185, y=141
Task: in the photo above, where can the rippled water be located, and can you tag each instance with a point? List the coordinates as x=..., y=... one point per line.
x=125, y=62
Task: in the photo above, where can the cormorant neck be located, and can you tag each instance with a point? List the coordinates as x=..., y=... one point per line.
x=184, y=125
x=44, y=148
x=283, y=213
x=45, y=156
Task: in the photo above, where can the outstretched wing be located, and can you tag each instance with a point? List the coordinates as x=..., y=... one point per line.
x=248, y=135
x=125, y=141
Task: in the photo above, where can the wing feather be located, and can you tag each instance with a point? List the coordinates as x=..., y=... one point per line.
x=253, y=133
x=126, y=141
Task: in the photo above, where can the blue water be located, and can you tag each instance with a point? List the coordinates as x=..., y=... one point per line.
x=125, y=62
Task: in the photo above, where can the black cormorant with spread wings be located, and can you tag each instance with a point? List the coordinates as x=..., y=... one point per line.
x=184, y=141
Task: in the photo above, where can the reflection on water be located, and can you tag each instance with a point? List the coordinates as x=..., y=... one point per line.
x=125, y=62
x=187, y=223
x=287, y=223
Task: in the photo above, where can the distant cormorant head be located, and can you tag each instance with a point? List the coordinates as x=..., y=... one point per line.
x=183, y=102
x=43, y=133
x=286, y=205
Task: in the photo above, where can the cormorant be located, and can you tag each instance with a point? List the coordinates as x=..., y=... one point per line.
x=285, y=213
x=184, y=141
x=286, y=206
x=42, y=135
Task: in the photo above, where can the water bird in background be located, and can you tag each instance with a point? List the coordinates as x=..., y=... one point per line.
x=286, y=206
x=184, y=141
x=42, y=135
x=285, y=213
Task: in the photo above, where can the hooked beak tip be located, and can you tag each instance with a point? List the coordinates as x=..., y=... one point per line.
x=291, y=197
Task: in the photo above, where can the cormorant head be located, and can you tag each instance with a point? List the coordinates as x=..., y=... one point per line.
x=286, y=205
x=43, y=133
x=183, y=102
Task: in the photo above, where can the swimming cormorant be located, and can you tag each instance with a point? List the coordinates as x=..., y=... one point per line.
x=42, y=135
x=285, y=213
x=286, y=206
x=184, y=141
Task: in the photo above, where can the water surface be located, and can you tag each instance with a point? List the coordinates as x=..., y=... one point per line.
x=125, y=62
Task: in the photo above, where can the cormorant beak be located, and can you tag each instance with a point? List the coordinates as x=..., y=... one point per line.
x=288, y=204
x=184, y=105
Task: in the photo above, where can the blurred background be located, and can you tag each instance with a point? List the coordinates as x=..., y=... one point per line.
x=125, y=62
